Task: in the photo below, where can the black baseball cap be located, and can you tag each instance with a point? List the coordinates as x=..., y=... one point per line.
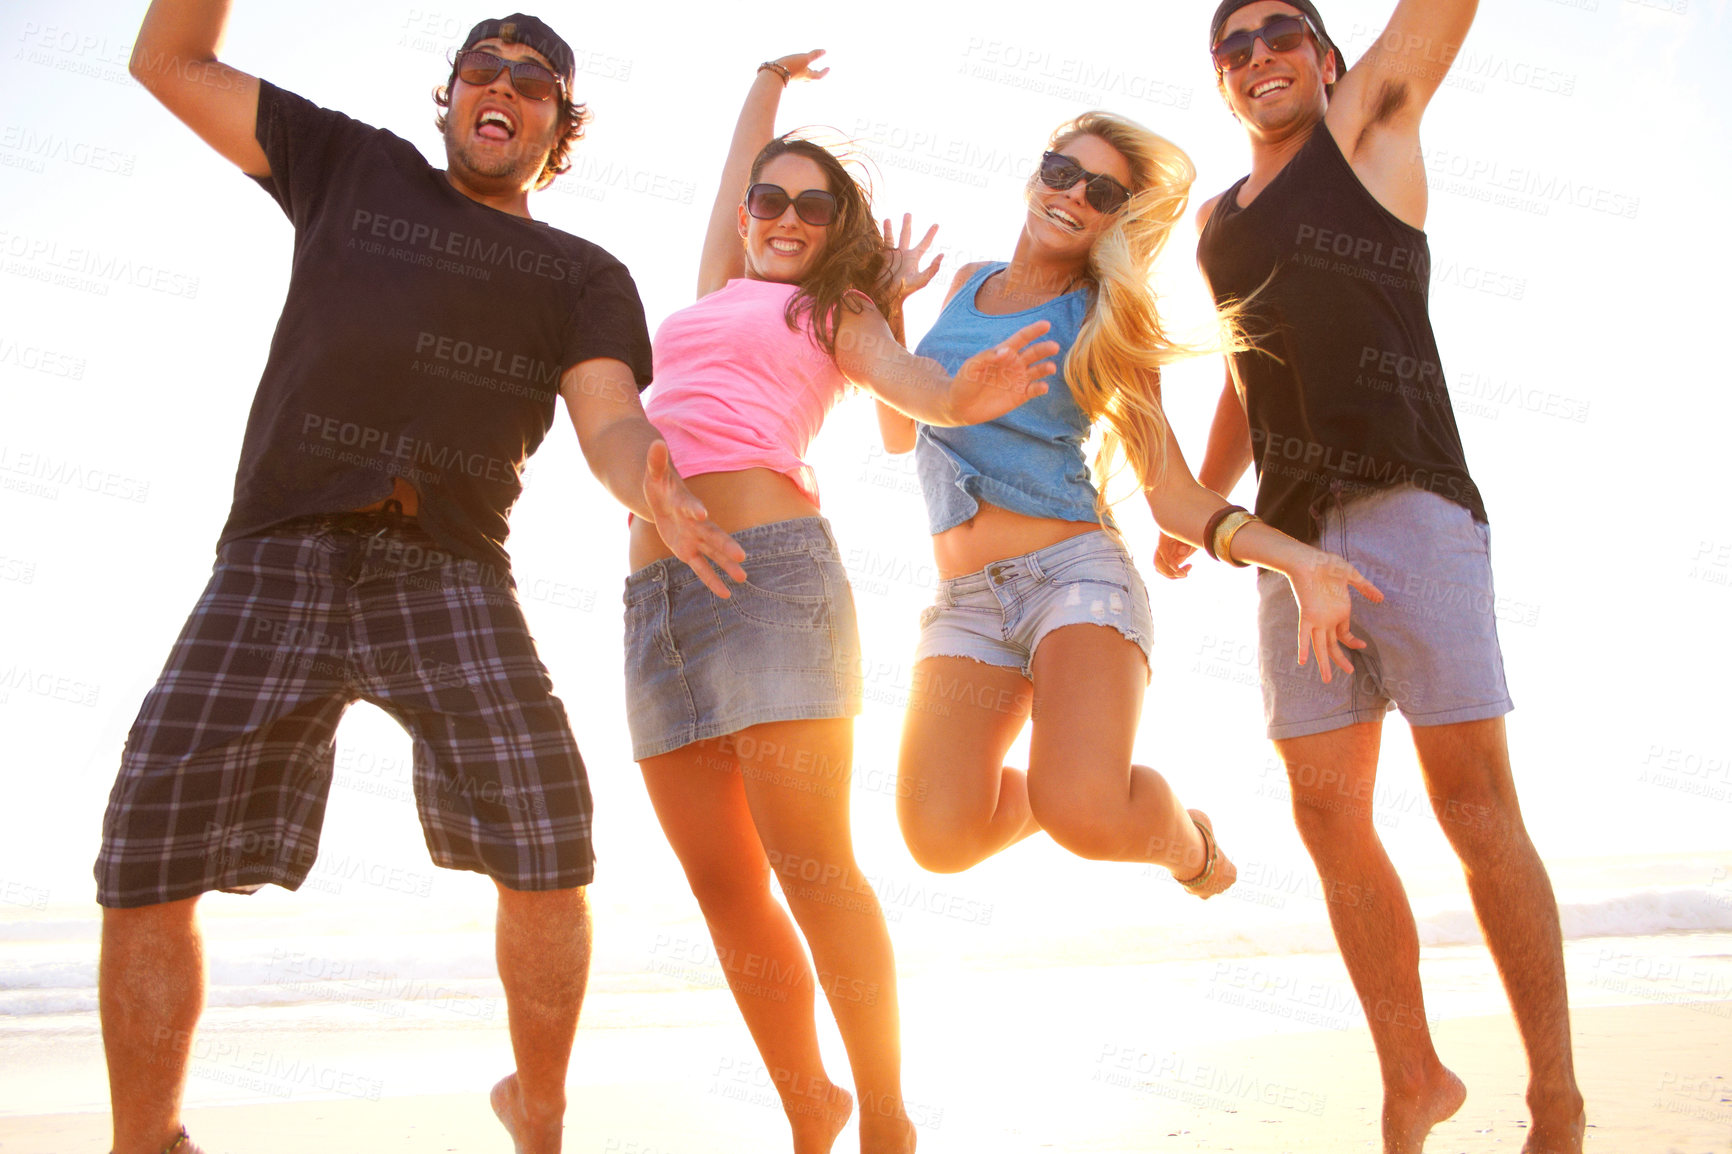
x=518, y=28
x=1228, y=7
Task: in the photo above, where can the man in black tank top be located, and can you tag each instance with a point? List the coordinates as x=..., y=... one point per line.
x=1342, y=406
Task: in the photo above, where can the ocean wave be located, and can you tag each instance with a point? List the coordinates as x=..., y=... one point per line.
x=397, y=975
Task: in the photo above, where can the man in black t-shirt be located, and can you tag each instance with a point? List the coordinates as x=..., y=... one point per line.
x=1341, y=403
x=429, y=325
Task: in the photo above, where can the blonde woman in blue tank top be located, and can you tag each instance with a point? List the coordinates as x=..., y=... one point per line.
x=1040, y=605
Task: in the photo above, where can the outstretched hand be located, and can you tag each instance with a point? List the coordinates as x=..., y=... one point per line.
x=685, y=525
x=994, y=381
x=903, y=274
x=799, y=65
x=1325, y=610
x=1172, y=557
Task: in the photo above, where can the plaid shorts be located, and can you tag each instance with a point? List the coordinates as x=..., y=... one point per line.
x=224, y=779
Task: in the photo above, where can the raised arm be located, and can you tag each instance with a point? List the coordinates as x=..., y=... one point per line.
x=630, y=459
x=896, y=429
x=175, y=58
x=1375, y=110
x=1321, y=581
x=723, y=257
x=989, y=384
x=1404, y=67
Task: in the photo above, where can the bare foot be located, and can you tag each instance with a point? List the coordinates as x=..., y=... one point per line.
x=817, y=1120
x=528, y=1135
x=1212, y=879
x=1565, y=1139
x=884, y=1126
x=184, y=1146
x=887, y=1135
x=1407, y=1120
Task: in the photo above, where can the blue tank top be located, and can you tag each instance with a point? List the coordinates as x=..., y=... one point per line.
x=1030, y=460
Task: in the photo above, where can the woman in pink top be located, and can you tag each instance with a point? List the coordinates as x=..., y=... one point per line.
x=741, y=707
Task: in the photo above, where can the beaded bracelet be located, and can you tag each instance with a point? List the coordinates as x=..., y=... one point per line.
x=779, y=69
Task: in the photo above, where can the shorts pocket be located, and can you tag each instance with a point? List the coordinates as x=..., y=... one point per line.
x=1098, y=568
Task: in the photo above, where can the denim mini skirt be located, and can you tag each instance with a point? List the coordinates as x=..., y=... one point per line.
x=785, y=646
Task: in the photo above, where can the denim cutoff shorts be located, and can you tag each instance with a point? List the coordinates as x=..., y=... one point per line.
x=1000, y=614
x=784, y=647
x=1431, y=644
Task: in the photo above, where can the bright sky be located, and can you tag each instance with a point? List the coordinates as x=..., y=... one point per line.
x=1577, y=289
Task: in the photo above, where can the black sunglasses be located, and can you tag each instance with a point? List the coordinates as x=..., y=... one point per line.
x=1282, y=34
x=769, y=201
x=1104, y=194
x=531, y=80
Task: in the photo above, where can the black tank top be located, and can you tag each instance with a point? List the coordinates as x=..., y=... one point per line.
x=1344, y=388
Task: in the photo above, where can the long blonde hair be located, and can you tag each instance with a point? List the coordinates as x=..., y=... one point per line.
x=1114, y=367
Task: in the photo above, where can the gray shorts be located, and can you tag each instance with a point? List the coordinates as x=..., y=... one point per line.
x=999, y=615
x=1431, y=646
x=783, y=647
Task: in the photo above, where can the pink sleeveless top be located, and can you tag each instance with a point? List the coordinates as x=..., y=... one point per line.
x=736, y=388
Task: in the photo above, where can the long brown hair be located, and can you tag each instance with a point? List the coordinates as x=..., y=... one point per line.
x=854, y=256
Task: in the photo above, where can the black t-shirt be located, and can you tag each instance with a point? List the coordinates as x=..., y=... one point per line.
x=1344, y=387
x=424, y=336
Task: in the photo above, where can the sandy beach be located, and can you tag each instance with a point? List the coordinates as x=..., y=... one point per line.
x=1122, y=1058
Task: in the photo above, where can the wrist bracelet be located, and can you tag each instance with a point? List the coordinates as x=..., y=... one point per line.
x=1215, y=523
x=1230, y=529
x=779, y=69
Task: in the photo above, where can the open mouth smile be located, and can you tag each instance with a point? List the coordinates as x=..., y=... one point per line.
x=493, y=124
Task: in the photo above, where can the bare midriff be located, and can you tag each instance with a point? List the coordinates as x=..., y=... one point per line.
x=403, y=493
x=735, y=501
x=993, y=534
